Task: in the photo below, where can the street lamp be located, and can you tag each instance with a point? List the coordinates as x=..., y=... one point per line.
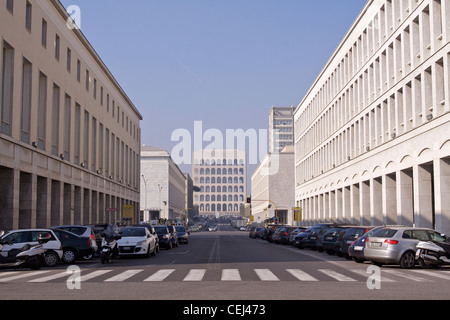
x=146, y=213
x=160, y=188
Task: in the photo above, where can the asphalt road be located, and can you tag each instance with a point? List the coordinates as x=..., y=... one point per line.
x=226, y=265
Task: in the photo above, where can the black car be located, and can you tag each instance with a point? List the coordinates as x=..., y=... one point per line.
x=74, y=247
x=301, y=240
x=350, y=236
x=164, y=236
x=281, y=235
x=174, y=234
x=271, y=230
x=183, y=234
x=314, y=239
x=330, y=237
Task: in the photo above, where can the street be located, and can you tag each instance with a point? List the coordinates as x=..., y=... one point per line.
x=225, y=265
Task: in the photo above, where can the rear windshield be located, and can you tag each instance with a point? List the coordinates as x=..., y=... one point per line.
x=356, y=232
x=180, y=229
x=161, y=230
x=384, y=233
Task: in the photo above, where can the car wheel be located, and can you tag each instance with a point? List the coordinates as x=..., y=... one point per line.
x=69, y=256
x=408, y=260
x=51, y=258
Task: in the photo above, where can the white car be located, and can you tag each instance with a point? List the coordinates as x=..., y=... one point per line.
x=212, y=228
x=136, y=241
x=19, y=238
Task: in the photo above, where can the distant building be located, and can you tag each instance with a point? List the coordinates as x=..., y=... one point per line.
x=221, y=177
x=69, y=134
x=273, y=194
x=281, y=128
x=163, y=186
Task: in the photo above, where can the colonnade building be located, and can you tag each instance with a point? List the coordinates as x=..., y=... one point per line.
x=372, y=135
x=69, y=135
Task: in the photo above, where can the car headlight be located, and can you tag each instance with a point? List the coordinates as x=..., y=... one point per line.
x=140, y=243
x=165, y=236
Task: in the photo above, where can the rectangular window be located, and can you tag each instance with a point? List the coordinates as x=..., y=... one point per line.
x=28, y=14
x=7, y=88
x=25, y=125
x=44, y=33
x=86, y=138
x=95, y=89
x=100, y=147
x=77, y=133
x=107, y=152
x=67, y=124
x=88, y=80
x=94, y=145
x=78, y=70
x=10, y=5
x=42, y=111
x=55, y=119
x=57, y=47
x=69, y=60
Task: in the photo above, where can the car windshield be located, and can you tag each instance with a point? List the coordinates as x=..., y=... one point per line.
x=133, y=232
x=161, y=230
x=334, y=231
x=180, y=229
x=384, y=233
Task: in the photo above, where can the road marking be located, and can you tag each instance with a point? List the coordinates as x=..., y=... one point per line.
x=195, y=275
x=266, y=275
x=124, y=275
x=364, y=273
x=23, y=275
x=407, y=276
x=336, y=275
x=433, y=274
x=301, y=275
x=94, y=274
x=231, y=275
x=52, y=277
x=160, y=275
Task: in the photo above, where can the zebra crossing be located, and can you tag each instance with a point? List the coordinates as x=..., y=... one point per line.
x=225, y=275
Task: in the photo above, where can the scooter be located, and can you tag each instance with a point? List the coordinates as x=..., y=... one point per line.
x=31, y=256
x=110, y=248
x=433, y=254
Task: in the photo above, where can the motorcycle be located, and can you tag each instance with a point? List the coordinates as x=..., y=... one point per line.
x=110, y=248
x=29, y=255
x=433, y=254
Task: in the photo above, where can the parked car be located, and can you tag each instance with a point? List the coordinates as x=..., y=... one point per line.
x=351, y=236
x=183, y=234
x=83, y=231
x=174, y=234
x=295, y=232
x=282, y=235
x=356, y=249
x=136, y=241
x=395, y=245
x=314, y=239
x=74, y=247
x=212, y=228
x=330, y=237
x=164, y=235
x=300, y=240
x=255, y=233
x=19, y=238
x=152, y=231
x=271, y=230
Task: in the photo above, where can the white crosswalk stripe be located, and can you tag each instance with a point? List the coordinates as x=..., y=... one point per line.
x=266, y=275
x=335, y=275
x=160, y=275
x=195, y=275
x=301, y=275
x=124, y=276
x=198, y=275
x=231, y=275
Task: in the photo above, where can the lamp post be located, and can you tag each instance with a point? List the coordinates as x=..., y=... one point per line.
x=160, y=188
x=146, y=213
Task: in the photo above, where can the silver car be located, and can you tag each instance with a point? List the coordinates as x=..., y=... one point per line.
x=395, y=245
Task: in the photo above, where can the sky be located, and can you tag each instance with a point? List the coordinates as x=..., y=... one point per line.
x=222, y=62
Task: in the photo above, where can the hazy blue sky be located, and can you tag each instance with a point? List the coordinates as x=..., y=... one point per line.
x=224, y=62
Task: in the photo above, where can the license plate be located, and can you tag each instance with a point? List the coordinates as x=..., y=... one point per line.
x=376, y=244
x=313, y=238
x=126, y=248
x=358, y=248
x=329, y=238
